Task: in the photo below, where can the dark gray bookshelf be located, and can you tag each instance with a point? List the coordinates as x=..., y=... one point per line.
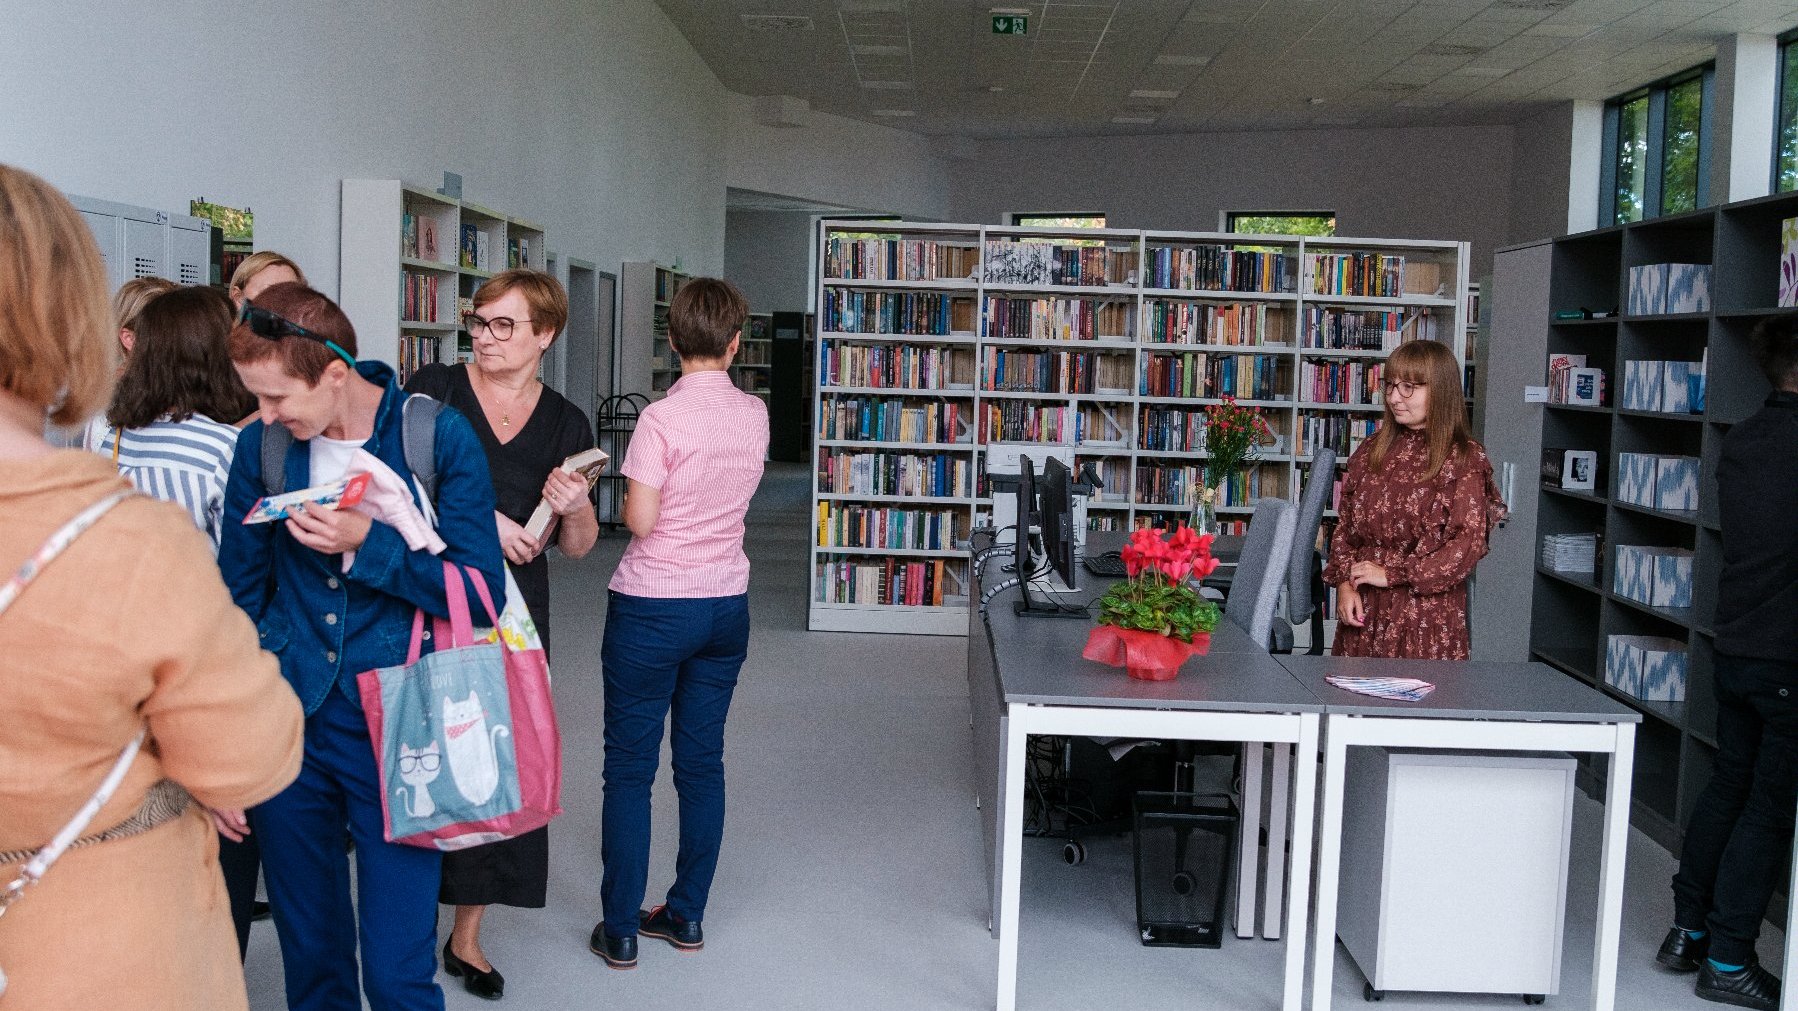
x=1572, y=615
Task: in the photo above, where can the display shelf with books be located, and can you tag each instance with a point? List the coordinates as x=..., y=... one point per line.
x=1636, y=304
x=1099, y=346
x=402, y=278
x=648, y=363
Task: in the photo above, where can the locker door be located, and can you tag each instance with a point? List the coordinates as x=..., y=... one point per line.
x=146, y=249
x=106, y=235
x=190, y=251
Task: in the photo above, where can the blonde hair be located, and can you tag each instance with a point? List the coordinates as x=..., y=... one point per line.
x=256, y=263
x=133, y=295
x=57, y=346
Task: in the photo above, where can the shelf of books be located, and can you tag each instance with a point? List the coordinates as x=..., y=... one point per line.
x=939, y=341
x=411, y=261
x=644, y=291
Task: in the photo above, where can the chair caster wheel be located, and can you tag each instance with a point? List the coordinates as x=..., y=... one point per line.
x=1369, y=994
x=1073, y=852
x=1534, y=998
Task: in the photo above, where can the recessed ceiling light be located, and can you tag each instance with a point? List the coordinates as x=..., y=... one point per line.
x=894, y=112
x=1317, y=100
x=995, y=88
x=1151, y=93
x=1134, y=120
x=886, y=85
x=776, y=22
x=880, y=50
x=1181, y=60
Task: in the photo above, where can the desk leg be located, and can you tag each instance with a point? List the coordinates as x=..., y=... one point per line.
x=1299, y=902
x=1611, y=868
x=1277, y=815
x=1329, y=864
x=1248, y=857
x=1010, y=871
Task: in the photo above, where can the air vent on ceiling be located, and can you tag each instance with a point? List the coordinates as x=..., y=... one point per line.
x=1453, y=49
x=1534, y=5
x=1393, y=87
x=776, y=22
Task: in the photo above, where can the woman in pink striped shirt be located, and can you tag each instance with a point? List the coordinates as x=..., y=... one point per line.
x=677, y=621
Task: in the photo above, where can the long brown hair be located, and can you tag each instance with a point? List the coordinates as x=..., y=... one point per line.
x=180, y=365
x=1431, y=365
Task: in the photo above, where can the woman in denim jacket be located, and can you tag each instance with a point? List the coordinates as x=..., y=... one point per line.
x=329, y=624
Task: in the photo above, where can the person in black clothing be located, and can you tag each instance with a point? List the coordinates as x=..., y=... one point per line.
x=527, y=430
x=1740, y=831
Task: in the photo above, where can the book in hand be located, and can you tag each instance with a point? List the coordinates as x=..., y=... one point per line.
x=587, y=463
x=339, y=494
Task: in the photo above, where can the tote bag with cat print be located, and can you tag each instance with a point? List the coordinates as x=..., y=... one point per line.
x=465, y=737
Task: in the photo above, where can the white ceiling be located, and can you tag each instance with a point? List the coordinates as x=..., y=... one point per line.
x=1170, y=66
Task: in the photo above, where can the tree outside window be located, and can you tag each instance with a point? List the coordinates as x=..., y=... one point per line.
x=1632, y=160
x=1786, y=170
x=1679, y=159
x=1058, y=220
x=1318, y=223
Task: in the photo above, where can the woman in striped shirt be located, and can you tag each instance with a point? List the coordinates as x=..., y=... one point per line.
x=169, y=427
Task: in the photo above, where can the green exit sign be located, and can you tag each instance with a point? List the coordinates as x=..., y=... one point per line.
x=1010, y=24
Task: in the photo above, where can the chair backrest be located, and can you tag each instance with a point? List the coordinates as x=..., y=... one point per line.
x=1319, y=480
x=1261, y=569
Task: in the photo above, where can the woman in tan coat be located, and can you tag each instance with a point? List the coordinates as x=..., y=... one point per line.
x=132, y=625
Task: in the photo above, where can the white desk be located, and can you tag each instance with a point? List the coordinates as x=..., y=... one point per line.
x=1476, y=706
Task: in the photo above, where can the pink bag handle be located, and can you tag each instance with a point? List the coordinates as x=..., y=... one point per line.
x=459, y=629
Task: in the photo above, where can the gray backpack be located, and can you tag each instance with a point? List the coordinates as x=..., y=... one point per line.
x=418, y=432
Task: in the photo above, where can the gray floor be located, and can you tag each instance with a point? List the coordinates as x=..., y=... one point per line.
x=852, y=875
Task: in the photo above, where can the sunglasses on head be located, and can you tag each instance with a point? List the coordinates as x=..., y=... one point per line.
x=272, y=325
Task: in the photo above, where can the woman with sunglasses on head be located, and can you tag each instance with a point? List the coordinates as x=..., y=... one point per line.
x=294, y=350
x=1418, y=505
x=527, y=430
x=129, y=631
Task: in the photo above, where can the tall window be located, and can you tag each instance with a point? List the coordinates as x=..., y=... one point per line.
x=1059, y=220
x=1785, y=158
x=1281, y=223
x=1657, y=148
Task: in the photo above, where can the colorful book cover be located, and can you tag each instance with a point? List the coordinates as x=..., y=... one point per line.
x=427, y=239
x=469, y=245
x=1788, y=263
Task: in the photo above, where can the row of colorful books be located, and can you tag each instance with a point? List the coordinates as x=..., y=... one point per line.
x=1010, y=262
x=1208, y=323
x=1181, y=485
x=945, y=475
x=1201, y=374
x=418, y=236
x=1359, y=329
x=846, y=525
x=901, y=366
x=1341, y=382
x=1380, y=275
x=1063, y=319
x=897, y=312
x=893, y=259
x=933, y=582
x=1002, y=369
x=1339, y=432
x=1219, y=268
x=418, y=297
x=890, y=419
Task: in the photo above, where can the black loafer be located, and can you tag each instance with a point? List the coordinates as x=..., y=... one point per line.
x=1750, y=986
x=685, y=935
x=488, y=985
x=1682, y=952
x=619, y=952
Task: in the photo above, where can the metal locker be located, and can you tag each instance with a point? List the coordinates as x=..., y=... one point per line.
x=106, y=236
x=189, y=255
x=146, y=249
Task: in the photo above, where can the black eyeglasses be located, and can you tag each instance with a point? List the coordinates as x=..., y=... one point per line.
x=500, y=327
x=1402, y=387
x=272, y=325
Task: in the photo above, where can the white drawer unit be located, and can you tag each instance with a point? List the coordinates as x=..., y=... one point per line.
x=1454, y=870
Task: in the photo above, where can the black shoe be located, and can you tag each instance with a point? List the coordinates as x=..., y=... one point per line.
x=259, y=911
x=685, y=935
x=619, y=952
x=489, y=985
x=1750, y=986
x=1682, y=952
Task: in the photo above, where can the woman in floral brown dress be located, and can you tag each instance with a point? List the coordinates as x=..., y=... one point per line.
x=1418, y=505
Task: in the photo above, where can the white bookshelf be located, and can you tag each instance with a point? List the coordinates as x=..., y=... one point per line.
x=1127, y=340
x=380, y=256
x=647, y=362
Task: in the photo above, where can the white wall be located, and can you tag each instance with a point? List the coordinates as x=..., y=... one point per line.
x=768, y=255
x=597, y=120
x=834, y=160
x=1424, y=183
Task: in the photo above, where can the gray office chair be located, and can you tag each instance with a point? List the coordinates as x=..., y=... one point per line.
x=1304, y=570
x=1261, y=569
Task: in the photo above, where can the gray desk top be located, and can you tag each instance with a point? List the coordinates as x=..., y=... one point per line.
x=1465, y=690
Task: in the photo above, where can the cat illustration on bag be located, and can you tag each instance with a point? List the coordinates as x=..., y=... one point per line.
x=472, y=761
x=418, y=767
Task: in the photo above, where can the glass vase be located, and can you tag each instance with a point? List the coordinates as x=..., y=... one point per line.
x=1203, y=518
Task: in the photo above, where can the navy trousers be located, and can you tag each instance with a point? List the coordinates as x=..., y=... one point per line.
x=1739, y=838
x=302, y=832
x=666, y=657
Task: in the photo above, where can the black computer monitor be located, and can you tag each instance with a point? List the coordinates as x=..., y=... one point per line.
x=1055, y=515
x=1026, y=493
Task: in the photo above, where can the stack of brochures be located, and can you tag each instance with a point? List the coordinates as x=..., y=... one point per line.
x=1569, y=552
x=1397, y=689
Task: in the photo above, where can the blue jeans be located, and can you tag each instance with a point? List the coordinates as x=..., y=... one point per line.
x=302, y=833
x=665, y=655
x=1739, y=837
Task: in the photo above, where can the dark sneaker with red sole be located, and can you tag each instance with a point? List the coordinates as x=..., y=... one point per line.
x=685, y=935
x=619, y=952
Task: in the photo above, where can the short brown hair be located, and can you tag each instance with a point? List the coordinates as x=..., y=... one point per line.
x=256, y=263
x=542, y=292
x=1774, y=343
x=58, y=349
x=302, y=358
x=133, y=295
x=1432, y=365
x=180, y=366
x=705, y=314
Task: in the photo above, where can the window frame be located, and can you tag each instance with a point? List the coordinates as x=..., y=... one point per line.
x=1784, y=42
x=1230, y=217
x=1018, y=218
x=1655, y=156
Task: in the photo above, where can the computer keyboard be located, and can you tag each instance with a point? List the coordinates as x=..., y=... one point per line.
x=1110, y=564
